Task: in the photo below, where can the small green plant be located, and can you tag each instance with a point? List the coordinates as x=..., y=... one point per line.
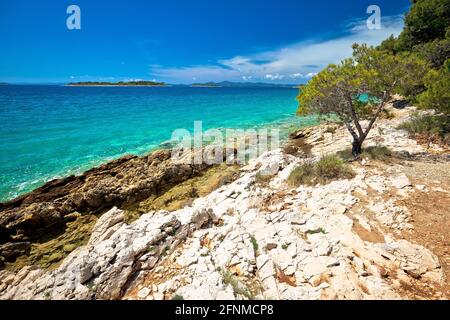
x=90, y=285
x=332, y=167
x=315, y=231
x=263, y=179
x=165, y=250
x=373, y=153
x=238, y=287
x=285, y=246
x=151, y=249
x=254, y=244
x=331, y=130
x=377, y=153
x=437, y=95
x=172, y=232
x=177, y=297
x=303, y=174
x=48, y=295
x=327, y=169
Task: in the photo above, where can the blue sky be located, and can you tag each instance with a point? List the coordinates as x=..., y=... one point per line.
x=176, y=41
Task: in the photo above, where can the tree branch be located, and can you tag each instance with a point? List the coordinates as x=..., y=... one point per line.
x=352, y=131
x=355, y=117
x=374, y=118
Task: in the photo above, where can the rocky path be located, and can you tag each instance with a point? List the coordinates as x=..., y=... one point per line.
x=256, y=239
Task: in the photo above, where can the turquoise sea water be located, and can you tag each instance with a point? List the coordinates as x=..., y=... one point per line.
x=54, y=131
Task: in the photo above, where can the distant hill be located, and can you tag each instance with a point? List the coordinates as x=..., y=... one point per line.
x=206, y=84
x=120, y=83
x=244, y=85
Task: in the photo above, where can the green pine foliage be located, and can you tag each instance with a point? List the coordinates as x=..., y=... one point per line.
x=437, y=95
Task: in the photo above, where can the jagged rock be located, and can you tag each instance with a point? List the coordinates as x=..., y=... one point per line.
x=316, y=266
x=415, y=260
x=320, y=244
x=103, y=268
x=158, y=296
x=143, y=293
x=271, y=288
x=400, y=181
x=107, y=225
x=125, y=180
x=13, y=249
x=420, y=187
x=302, y=133
x=206, y=287
x=265, y=267
x=298, y=220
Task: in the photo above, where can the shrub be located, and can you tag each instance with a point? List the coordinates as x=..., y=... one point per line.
x=263, y=179
x=332, y=168
x=298, y=147
x=429, y=125
x=302, y=175
x=435, y=52
x=327, y=169
x=427, y=20
x=377, y=153
x=437, y=95
x=373, y=153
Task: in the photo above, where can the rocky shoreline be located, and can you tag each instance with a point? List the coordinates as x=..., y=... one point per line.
x=250, y=238
x=121, y=182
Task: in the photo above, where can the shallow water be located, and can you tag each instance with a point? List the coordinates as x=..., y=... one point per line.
x=55, y=131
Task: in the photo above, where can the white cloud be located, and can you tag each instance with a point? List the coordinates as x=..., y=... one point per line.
x=311, y=74
x=274, y=76
x=297, y=61
x=296, y=75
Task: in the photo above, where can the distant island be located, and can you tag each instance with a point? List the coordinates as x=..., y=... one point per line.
x=206, y=84
x=141, y=83
x=145, y=83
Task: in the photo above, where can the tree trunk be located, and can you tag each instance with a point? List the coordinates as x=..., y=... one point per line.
x=356, y=147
